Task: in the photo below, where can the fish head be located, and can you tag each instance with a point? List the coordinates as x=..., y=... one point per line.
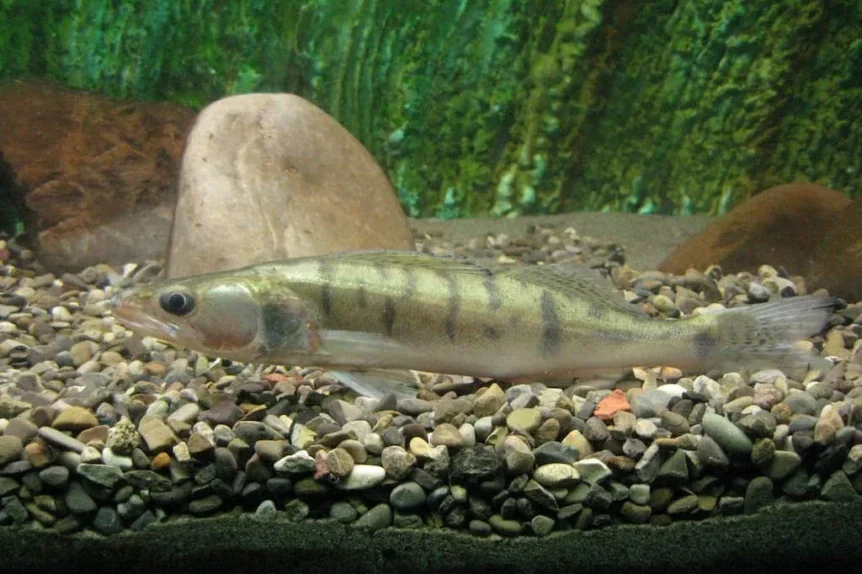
x=235, y=315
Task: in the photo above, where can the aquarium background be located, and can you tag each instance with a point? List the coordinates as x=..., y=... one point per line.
x=502, y=108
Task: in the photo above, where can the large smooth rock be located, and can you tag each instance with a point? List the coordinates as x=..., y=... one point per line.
x=95, y=175
x=785, y=225
x=272, y=176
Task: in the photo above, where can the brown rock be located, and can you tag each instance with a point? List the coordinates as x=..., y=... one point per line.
x=271, y=176
x=97, y=433
x=783, y=225
x=75, y=419
x=838, y=264
x=95, y=174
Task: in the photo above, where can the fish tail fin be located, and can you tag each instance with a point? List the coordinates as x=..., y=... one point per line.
x=765, y=335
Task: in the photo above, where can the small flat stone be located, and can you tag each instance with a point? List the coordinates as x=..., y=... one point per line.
x=592, y=470
x=527, y=419
x=555, y=451
x=101, y=474
x=55, y=476
x=75, y=418
x=446, y=435
x=556, y=475
x=504, y=526
x=298, y=463
x=157, y=435
x=684, y=505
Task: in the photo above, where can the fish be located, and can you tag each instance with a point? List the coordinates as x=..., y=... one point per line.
x=375, y=317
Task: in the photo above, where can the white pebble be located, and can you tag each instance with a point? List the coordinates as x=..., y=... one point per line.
x=113, y=459
x=363, y=477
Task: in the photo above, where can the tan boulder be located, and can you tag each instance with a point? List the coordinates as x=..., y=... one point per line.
x=272, y=176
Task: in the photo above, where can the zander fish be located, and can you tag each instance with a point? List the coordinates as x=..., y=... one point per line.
x=370, y=310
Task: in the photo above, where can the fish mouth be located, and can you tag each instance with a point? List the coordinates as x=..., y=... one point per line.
x=129, y=311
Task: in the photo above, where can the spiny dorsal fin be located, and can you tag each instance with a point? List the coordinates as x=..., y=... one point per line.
x=410, y=259
x=575, y=280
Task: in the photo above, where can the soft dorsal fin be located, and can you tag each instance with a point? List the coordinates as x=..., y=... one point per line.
x=410, y=259
x=574, y=280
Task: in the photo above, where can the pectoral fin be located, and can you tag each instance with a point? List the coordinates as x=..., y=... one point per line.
x=377, y=383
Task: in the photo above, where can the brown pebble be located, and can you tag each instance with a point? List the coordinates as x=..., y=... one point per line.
x=161, y=461
x=156, y=368
x=339, y=462
x=199, y=446
x=447, y=435
x=547, y=431
x=94, y=434
x=356, y=449
x=75, y=418
x=38, y=453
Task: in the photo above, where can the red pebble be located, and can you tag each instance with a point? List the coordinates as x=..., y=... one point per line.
x=611, y=405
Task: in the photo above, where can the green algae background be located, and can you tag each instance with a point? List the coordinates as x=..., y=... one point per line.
x=499, y=107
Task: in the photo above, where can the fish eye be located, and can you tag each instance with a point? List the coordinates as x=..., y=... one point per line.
x=177, y=303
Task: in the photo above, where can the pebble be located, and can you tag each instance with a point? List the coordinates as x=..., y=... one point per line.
x=363, y=477
x=407, y=496
x=556, y=475
x=376, y=518
x=397, y=462
x=730, y=437
x=447, y=435
x=527, y=420
x=11, y=449
x=74, y=419
x=758, y=494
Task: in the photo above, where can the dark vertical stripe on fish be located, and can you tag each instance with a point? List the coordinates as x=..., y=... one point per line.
x=388, y=315
x=410, y=285
x=326, y=272
x=551, y=331
x=362, y=296
x=453, y=304
x=490, y=283
x=381, y=268
x=704, y=345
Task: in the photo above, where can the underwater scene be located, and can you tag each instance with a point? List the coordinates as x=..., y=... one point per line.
x=438, y=286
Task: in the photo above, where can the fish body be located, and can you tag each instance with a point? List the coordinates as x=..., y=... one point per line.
x=405, y=310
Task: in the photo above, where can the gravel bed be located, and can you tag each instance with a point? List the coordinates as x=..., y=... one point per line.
x=106, y=431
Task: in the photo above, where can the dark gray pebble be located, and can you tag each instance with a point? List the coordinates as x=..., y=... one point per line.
x=343, y=512
x=205, y=505
x=376, y=518
x=474, y=464
x=78, y=500
x=107, y=521
x=555, y=451
x=407, y=496
x=54, y=476
x=758, y=494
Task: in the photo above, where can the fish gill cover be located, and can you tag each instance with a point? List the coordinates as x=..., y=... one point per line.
x=494, y=107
